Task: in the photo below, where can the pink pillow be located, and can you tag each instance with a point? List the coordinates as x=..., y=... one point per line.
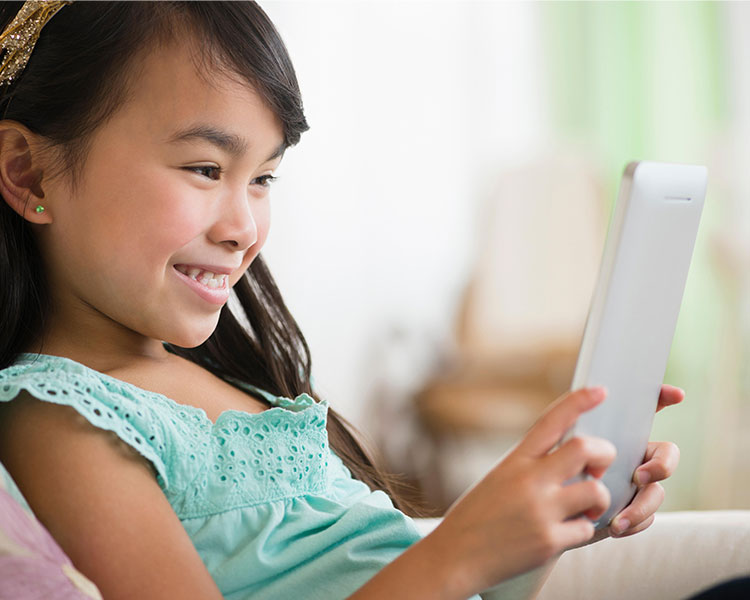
x=32, y=565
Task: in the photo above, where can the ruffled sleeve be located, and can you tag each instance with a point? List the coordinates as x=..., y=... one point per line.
x=106, y=403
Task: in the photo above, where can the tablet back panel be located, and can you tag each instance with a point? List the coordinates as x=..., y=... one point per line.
x=633, y=314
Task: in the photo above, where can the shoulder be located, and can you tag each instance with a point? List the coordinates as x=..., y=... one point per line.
x=27, y=419
x=42, y=388
x=99, y=499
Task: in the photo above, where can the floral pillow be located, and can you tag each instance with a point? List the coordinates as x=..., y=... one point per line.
x=32, y=565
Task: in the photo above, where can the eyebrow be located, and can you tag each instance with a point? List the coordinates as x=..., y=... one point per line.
x=232, y=144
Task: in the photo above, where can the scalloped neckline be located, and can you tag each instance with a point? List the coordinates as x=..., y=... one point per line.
x=200, y=412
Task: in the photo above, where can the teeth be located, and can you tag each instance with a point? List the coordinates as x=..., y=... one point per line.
x=211, y=280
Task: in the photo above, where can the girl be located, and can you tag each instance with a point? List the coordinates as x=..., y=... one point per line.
x=171, y=451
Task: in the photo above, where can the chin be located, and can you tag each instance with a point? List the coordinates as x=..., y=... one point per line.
x=192, y=336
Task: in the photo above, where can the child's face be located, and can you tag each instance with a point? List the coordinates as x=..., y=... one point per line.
x=149, y=208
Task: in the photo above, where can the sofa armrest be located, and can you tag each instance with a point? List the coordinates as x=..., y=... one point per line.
x=679, y=555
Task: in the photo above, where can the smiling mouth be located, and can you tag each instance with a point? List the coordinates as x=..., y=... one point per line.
x=206, y=278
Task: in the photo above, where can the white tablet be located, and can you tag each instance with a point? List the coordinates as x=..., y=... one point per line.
x=633, y=313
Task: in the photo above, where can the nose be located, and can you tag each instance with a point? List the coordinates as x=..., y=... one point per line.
x=234, y=224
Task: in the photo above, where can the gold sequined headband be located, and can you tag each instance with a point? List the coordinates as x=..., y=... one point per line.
x=20, y=36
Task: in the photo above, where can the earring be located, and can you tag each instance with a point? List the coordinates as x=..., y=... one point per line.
x=39, y=209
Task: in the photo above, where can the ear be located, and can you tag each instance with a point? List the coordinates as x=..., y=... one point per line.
x=20, y=173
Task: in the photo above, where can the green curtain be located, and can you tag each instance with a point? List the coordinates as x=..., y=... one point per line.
x=645, y=80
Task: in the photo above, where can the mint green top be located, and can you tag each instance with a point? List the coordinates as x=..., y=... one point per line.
x=272, y=511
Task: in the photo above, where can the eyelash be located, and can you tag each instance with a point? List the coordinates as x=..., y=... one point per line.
x=267, y=179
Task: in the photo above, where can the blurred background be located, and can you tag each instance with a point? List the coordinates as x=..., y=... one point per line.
x=438, y=231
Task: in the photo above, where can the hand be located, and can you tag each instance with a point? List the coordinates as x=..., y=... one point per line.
x=659, y=463
x=521, y=514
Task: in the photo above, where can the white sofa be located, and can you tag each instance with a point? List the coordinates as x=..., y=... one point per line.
x=681, y=554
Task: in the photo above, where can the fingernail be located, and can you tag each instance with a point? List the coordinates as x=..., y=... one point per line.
x=642, y=477
x=599, y=392
x=620, y=525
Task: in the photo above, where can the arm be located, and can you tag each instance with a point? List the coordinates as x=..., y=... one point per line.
x=100, y=501
x=516, y=519
x=512, y=527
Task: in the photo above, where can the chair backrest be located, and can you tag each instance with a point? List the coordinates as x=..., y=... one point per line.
x=544, y=228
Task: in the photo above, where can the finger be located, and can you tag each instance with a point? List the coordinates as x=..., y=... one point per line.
x=558, y=418
x=573, y=532
x=590, y=498
x=660, y=461
x=646, y=502
x=669, y=395
x=640, y=527
x=582, y=453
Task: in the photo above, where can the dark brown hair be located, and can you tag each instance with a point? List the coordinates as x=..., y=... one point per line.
x=77, y=78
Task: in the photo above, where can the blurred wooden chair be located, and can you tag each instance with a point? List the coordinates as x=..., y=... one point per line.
x=521, y=318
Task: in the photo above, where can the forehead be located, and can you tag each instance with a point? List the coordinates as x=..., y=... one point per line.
x=174, y=88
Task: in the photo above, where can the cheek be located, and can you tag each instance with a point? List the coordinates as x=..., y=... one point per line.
x=164, y=216
x=140, y=229
x=136, y=206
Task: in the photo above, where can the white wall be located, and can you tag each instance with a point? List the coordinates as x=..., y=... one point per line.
x=414, y=109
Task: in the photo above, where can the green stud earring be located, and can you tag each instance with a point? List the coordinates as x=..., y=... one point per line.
x=39, y=209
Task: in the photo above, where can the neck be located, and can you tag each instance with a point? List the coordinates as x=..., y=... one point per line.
x=95, y=340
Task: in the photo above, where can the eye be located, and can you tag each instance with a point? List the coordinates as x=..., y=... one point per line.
x=265, y=180
x=208, y=171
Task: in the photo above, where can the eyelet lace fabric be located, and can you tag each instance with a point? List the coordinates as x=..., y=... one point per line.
x=203, y=467
x=270, y=509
